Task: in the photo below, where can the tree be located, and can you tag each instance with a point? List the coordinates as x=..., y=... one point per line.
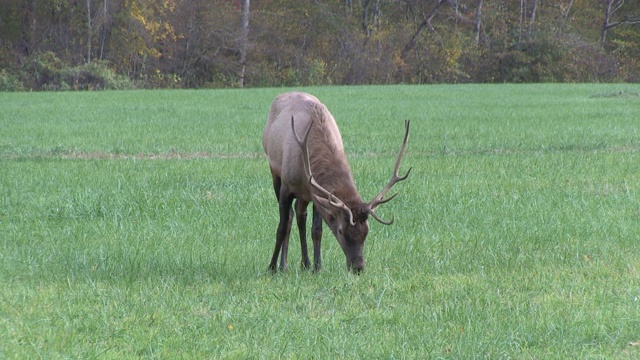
x=219, y=43
x=532, y=18
x=370, y=15
x=426, y=23
x=612, y=6
x=244, y=39
x=477, y=24
x=564, y=14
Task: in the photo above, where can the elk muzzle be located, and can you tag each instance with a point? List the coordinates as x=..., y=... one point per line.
x=355, y=264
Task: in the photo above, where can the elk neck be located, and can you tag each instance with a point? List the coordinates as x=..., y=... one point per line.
x=330, y=167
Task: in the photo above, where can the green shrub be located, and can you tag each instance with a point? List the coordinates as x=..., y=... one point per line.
x=530, y=61
x=10, y=82
x=42, y=71
x=45, y=71
x=549, y=59
x=93, y=76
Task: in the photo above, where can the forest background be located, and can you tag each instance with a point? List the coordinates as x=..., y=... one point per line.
x=114, y=44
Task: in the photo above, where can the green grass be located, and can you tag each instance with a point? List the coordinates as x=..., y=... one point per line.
x=139, y=224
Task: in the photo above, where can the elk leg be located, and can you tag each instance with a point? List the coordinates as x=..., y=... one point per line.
x=277, y=183
x=285, y=199
x=284, y=246
x=316, y=236
x=301, y=217
x=284, y=250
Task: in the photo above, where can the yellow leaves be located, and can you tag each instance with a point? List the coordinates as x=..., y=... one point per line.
x=169, y=5
x=398, y=61
x=154, y=17
x=453, y=52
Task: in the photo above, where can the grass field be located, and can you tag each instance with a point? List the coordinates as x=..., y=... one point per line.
x=139, y=224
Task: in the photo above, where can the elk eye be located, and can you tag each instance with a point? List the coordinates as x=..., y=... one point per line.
x=340, y=231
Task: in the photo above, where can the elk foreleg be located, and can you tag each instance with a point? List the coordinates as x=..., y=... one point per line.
x=301, y=218
x=285, y=199
x=316, y=236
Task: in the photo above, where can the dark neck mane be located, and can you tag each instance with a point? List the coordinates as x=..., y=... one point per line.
x=329, y=164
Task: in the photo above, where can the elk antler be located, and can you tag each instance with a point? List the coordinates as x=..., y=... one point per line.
x=307, y=169
x=379, y=199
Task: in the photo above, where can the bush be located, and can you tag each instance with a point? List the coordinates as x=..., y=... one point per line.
x=93, y=76
x=42, y=71
x=10, y=82
x=531, y=61
x=549, y=59
x=45, y=71
x=587, y=62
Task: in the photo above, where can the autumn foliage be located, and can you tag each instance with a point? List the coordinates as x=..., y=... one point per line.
x=98, y=44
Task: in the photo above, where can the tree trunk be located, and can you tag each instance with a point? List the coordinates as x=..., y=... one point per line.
x=244, y=39
x=612, y=7
x=425, y=23
x=605, y=26
x=365, y=10
x=348, y=7
x=521, y=20
x=89, y=31
x=29, y=26
x=370, y=17
x=477, y=24
x=532, y=18
x=105, y=26
x=564, y=14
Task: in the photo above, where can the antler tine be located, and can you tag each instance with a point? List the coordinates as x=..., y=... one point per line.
x=379, y=199
x=307, y=169
x=380, y=220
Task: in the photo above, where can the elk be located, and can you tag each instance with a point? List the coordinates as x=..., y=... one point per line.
x=308, y=164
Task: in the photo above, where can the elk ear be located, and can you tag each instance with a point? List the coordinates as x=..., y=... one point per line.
x=324, y=204
x=333, y=208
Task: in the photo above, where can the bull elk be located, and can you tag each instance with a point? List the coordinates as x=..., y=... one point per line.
x=312, y=167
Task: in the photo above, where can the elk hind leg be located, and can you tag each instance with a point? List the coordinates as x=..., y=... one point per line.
x=285, y=199
x=284, y=248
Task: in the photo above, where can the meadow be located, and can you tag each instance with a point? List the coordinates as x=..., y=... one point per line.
x=139, y=224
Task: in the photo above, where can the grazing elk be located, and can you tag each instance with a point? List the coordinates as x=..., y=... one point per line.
x=308, y=164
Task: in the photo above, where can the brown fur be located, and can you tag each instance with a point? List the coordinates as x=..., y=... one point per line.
x=326, y=152
x=330, y=170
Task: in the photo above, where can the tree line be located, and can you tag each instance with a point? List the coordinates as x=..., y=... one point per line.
x=109, y=44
